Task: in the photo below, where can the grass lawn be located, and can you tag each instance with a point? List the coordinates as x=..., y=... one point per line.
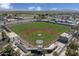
x=29, y=31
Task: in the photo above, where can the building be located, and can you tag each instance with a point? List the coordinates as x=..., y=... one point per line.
x=11, y=19
x=69, y=22
x=62, y=42
x=65, y=37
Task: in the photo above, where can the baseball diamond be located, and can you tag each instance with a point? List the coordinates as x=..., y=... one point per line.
x=33, y=31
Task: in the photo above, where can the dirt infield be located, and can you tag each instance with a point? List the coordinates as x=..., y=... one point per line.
x=29, y=31
x=47, y=30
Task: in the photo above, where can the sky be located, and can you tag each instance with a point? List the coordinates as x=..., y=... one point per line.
x=39, y=6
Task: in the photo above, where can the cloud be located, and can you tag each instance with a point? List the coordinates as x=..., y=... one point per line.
x=31, y=8
x=76, y=9
x=6, y=6
x=38, y=8
x=53, y=9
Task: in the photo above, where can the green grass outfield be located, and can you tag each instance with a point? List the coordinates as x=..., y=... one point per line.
x=31, y=38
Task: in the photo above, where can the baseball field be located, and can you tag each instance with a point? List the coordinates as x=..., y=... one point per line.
x=33, y=31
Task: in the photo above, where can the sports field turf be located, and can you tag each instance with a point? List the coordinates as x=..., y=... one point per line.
x=33, y=31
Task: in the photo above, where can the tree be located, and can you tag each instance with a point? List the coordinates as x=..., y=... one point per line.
x=72, y=49
x=71, y=52
x=17, y=53
x=9, y=51
x=53, y=19
x=4, y=14
x=55, y=53
x=3, y=36
x=73, y=46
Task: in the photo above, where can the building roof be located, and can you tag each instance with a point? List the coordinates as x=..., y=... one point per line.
x=65, y=35
x=63, y=40
x=11, y=19
x=12, y=34
x=21, y=47
x=52, y=46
